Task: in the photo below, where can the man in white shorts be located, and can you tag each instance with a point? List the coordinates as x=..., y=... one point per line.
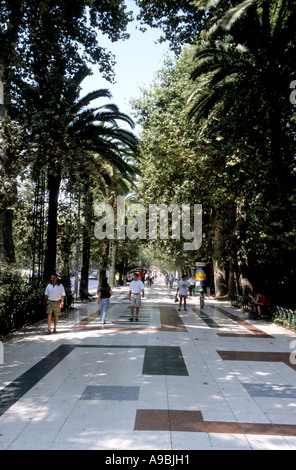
x=183, y=291
x=54, y=301
x=135, y=290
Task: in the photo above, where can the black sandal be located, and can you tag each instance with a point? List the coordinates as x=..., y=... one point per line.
x=131, y=319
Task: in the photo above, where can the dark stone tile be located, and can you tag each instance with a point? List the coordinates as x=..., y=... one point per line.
x=164, y=360
x=105, y=392
x=192, y=421
x=257, y=356
x=270, y=390
x=16, y=389
x=171, y=320
x=152, y=420
x=255, y=332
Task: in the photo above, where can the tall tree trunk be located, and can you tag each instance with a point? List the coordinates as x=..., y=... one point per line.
x=8, y=187
x=243, y=272
x=8, y=172
x=231, y=279
x=7, y=253
x=114, y=263
x=66, y=236
x=53, y=185
x=103, y=262
x=83, y=289
x=220, y=283
x=88, y=224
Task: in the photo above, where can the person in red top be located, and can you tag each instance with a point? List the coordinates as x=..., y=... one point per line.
x=263, y=303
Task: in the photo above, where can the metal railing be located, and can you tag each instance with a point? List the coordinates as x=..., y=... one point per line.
x=285, y=317
x=282, y=316
x=240, y=301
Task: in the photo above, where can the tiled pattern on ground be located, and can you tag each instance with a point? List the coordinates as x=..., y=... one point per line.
x=194, y=380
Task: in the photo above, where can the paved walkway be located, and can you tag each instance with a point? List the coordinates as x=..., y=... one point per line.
x=173, y=381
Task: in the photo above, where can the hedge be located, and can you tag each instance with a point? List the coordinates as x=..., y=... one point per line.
x=21, y=302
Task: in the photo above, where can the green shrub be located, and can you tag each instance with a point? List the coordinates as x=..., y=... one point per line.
x=21, y=302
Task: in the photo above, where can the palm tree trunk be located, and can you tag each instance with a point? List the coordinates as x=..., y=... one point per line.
x=53, y=185
x=220, y=283
x=88, y=211
x=103, y=262
x=243, y=272
x=8, y=184
x=7, y=253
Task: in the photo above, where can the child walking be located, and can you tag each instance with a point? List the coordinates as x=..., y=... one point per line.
x=201, y=299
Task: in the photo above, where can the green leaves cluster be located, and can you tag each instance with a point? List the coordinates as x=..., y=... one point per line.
x=48, y=48
x=20, y=302
x=220, y=131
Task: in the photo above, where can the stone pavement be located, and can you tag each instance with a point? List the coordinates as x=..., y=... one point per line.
x=173, y=381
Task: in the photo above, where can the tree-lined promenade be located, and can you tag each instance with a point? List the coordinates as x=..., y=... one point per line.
x=217, y=130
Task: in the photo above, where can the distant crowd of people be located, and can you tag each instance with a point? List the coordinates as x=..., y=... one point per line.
x=55, y=295
x=185, y=288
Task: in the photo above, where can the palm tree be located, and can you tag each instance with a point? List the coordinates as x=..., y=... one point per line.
x=66, y=130
x=252, y=67
x=111, y=182
x=241, y=80
x=223, y=72
x=93, y=130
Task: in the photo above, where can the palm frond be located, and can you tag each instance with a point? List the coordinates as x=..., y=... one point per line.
x=93, y=95
x=113, y=116
x=232, y=15
x=206, y=4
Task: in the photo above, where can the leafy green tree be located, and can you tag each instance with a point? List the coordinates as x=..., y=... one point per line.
x=73, y=131
x=44, y=44
x=180, y=20
x=170, y=162
x=112, y=182
x=235, y=95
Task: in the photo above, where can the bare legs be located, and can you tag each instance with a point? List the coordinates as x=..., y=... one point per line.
x=180, y=302
x=56, y=317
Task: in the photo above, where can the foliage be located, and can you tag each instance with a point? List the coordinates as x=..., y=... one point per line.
x=235, y=155
x=170, y=164
x=180, y=20
x=235, y=98
x=45, y=48
x=21, y=303
x=222, y=158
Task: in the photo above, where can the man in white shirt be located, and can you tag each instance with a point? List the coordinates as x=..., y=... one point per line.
x=54, y=301
x=183, y=291
x=191, y=285
x=135, y=290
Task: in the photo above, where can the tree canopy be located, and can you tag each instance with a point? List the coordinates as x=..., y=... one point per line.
x=217, y=129
x=240, y=137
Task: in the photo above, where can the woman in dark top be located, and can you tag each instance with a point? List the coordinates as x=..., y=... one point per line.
x=104, y=295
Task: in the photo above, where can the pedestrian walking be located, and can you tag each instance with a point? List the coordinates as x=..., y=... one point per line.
x=135, y=290
x=104, y=294
x=183, y=291
x=54, y=301
x=201, y=299
x=150, y=279
x=166, y=281
x=191, y=285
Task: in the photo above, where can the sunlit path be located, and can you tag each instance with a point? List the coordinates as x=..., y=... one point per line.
x=172, y=381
